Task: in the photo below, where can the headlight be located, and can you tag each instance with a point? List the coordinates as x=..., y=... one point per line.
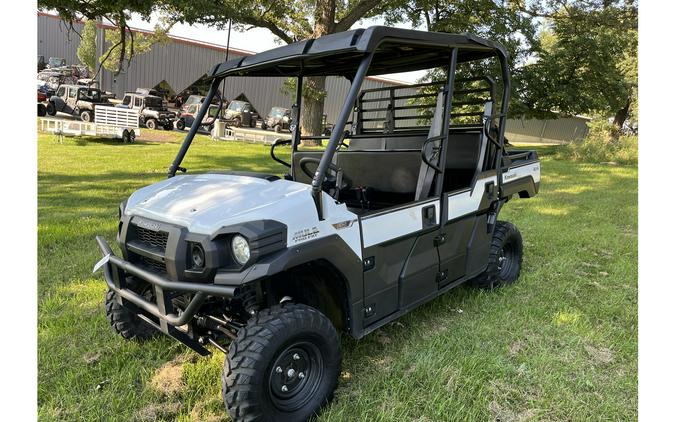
x=240, y=249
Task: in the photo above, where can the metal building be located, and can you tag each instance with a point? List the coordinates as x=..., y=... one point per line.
x=180, y=62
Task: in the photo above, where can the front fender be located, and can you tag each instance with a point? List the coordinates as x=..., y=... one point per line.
x=331, y=249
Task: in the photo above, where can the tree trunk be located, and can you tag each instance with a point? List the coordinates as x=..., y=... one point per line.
x=314, y=89
x=311, y=121
x=621, y=116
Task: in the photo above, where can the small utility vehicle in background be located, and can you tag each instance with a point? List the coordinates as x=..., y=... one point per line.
x=401, y=206
x=278, y=119
x=152, y=110
x=240, y=113
x=187, y=118
x=55, y=62
x=76, y=100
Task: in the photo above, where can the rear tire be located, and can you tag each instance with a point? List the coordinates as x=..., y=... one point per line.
x=505, y=259
x=42, y=110
x=180, y=124
x=284, y=365
x=124, y=322
x=263, y=126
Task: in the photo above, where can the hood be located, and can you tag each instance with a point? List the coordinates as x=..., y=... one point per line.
x=204, y=203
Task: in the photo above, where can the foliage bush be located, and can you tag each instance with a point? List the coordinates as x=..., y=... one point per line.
x=604, y=144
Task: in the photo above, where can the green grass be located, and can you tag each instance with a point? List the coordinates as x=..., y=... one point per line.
x=559, y=345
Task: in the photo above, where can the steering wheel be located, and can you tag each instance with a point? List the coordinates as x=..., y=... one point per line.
x=332, y=180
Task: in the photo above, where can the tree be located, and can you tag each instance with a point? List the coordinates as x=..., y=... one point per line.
x=86, y=52
x=566, y=56
x=587, y=62
x=140, y=43
x=289, y=21
x=115, y=11
x=497, y=21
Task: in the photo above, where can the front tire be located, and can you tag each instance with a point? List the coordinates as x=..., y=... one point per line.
x=51, y=109
x=505, y=259
x=85, y=116
x=284, y=365
x=124, y=322
x=151, y=124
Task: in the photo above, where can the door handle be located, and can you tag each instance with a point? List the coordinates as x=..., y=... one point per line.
x=429, y=216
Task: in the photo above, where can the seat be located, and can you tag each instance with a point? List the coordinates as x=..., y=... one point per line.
x=426, y=174
x=466, y=155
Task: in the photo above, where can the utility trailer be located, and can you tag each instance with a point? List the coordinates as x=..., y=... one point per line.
x=108, y=122
x=399, y=208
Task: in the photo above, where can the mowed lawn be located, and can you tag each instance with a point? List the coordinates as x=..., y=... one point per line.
x=561, y=345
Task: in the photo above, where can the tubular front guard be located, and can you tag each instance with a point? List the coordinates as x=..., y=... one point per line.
x=116, y=270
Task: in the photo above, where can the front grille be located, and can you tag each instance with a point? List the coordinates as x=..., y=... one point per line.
x=151, y=237
x=153, y=265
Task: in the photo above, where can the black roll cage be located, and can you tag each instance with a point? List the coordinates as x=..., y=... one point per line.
x=313, y=58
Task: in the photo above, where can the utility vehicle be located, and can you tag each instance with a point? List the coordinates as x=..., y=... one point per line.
x=278, y=119
x=187, y=117
x=153, y=113
x=55, y=62
x=76, y=100
x=239, y=113
x=400, y=207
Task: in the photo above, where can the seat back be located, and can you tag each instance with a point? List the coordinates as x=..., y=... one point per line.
x=466, y=155
x=426, y=174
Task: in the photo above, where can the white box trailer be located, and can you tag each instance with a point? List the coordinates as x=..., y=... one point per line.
x=116, y=122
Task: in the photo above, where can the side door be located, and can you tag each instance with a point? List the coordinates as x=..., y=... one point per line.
x=399, y=257
x=59, y=98
x=468, y=192
x=71, y=100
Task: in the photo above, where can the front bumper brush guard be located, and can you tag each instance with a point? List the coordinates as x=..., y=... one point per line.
x=115, y=270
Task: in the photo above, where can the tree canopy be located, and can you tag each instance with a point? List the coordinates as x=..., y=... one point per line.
x=117, y=12
x=289, y=21
x=567, y=56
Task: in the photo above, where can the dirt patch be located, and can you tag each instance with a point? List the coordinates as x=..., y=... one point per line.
x=157, y=411
x=159, y=136
x=384, y=363
x=600, y=355
x=168, y=379
x=91, y=358
x=516, y=347
x=503, y=414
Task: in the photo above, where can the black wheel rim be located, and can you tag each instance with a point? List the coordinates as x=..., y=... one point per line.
x=295, y=376
x=506, y=260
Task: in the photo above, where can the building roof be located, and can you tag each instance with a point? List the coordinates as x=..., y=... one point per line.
x=395, y=50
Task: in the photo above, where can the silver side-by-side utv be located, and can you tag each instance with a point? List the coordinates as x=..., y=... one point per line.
x=400, y=207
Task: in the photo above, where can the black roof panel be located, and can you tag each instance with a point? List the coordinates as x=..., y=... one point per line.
x=396, y=50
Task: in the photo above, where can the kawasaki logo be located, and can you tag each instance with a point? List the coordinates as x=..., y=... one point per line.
x=146, y=224
x=510, y=176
